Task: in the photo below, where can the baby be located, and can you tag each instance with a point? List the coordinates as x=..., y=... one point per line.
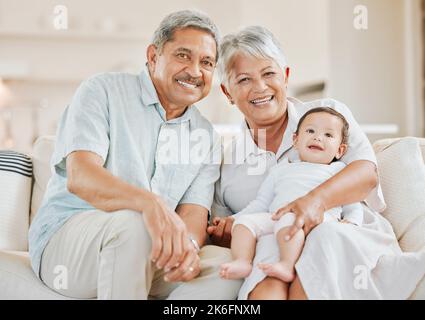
x=320, y=140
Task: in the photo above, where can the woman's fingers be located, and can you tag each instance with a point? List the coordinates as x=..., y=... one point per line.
x=227, y=233
x=211, y=230
x=298, y=225
x=279, y=213
x=216, y=221
x=219, y=231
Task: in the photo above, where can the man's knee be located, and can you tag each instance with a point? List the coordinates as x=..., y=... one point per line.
x=127, y=227
x=215, y=255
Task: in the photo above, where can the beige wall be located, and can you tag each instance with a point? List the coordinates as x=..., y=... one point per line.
x=367, y=67
x=57, y=61
x=360, y=68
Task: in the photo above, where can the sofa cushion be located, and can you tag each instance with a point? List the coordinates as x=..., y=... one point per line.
x=42, y=152
x=15, y=195
x=402, y=175
x=18, y=281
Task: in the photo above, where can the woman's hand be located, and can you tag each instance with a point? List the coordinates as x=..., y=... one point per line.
x=220, y=231
x=309, y=211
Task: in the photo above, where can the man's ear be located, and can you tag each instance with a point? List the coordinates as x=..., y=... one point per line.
x=151, y=55
x=227, y=94
x=341, y=150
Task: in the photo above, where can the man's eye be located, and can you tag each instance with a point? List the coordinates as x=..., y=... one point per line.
x=182, y=55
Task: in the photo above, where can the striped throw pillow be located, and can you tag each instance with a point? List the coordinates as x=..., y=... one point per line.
x=15, y=195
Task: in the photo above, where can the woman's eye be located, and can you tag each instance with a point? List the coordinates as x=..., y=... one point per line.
x=243, y=80
x=269, y=74
x=208, y=63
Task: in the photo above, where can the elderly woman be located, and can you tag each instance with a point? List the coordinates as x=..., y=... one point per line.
x=255, y=78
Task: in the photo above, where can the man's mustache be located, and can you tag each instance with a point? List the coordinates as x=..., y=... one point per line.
x=189, y=79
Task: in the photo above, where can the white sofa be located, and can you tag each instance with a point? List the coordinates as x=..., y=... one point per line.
x=405, y=199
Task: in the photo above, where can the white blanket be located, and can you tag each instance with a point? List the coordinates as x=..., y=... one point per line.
x=341, y=261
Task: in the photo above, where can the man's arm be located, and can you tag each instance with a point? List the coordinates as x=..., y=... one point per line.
x=91, y=182
x=351, y=184
x=195, y=218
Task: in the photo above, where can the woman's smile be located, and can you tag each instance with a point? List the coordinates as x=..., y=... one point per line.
x=262, y=101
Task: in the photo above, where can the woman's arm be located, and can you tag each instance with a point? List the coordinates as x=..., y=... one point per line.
x=352, y=184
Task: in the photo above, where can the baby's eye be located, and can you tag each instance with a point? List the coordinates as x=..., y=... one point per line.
x=309, y=131
x=328, y=135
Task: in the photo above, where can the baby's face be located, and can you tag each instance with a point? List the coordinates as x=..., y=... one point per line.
x=319, y=138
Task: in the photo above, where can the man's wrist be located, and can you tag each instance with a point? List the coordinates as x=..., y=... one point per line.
x=195, y=243
x=145, y=200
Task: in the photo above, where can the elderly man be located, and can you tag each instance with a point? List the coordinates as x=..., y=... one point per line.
x=119, y=219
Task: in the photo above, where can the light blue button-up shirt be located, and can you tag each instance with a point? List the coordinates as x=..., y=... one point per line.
x=119, y=117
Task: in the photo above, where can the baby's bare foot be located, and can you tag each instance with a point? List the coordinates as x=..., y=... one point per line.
x=237, y=269
x=280, y=270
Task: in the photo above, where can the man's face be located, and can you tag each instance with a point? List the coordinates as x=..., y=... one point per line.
x=182, y=72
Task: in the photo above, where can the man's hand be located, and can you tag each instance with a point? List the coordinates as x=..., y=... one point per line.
x=188, y=269
x=220, y=231
x=309, y=211
x=168, y=233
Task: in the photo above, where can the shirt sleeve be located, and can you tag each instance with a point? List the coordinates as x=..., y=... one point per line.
x=359, y=148
x=84, y=125
x=264, y=197
x=219, y=208
x=201, y=190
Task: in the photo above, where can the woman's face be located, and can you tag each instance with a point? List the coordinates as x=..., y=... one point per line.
x=258, y=87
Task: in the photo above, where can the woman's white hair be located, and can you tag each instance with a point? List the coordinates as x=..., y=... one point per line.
x=256, y=41
x=184, y=19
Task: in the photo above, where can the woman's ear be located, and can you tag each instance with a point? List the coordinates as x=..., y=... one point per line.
x=227, y=94
x=341, y=150
x=151, y=55
x=287, y=72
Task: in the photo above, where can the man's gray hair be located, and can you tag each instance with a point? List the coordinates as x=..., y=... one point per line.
x=184, y=19
x=256, y=41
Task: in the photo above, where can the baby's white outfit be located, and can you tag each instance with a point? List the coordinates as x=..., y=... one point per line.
x=286, y=182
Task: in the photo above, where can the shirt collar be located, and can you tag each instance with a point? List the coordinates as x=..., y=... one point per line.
x=150, y=98
x=245, y=145
x=149, y=95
